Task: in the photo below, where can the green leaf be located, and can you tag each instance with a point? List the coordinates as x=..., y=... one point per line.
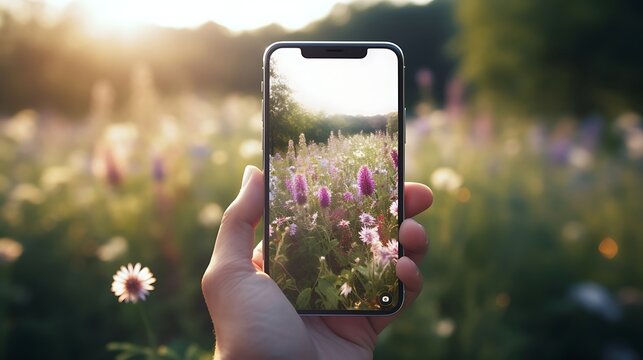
x=328, y=293
x=128, y=350
x=123, y=346
x=303, y=300
x=363, y=270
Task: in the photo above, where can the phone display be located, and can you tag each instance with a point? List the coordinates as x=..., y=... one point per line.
x=333, y=143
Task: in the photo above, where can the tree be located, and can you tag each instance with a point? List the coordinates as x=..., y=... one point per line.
x=550, y=57
x=287, y=118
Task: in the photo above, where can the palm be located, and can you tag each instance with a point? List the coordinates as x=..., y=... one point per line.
x=334, y=337
x=254, y=319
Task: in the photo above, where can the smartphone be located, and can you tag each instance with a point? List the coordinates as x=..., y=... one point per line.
x=334, y=166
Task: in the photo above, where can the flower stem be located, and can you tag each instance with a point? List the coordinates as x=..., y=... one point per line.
x=150, y=335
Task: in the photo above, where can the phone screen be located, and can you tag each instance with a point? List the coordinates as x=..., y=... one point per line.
x=333, y=154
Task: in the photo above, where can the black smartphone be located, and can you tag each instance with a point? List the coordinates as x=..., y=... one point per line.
x=334, y=174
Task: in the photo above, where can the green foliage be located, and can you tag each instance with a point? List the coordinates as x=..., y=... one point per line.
x=519, y=228
x=546, y=56
x=127, y=351
x=508, y=244
x=288, y=118
x=67, y=215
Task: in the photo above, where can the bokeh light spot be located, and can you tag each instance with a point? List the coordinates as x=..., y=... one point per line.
x=608, y=248
x=464, y=195
x=503, y=300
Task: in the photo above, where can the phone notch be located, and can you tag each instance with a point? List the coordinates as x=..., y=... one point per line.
x=334, y=52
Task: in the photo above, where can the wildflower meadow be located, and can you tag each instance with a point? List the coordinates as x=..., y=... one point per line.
x=119, y=153
x=333, y=224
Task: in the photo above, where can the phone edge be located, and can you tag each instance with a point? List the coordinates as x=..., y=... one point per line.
x=401, y=154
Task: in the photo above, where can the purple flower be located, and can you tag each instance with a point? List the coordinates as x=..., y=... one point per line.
x=158, y=169
x=344, y=223
x=324, y=197
x=348, y=196
x=597, y=299
x=394, y=157
x=299, y=189
x=332, y=170
x=114, y=174
x=293, y=229
x=369, y=235
x=367, y=219
x=365, y=181
x=385, y=254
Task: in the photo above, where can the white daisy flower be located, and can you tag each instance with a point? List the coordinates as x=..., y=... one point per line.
x=393, y=208
x=133, y=283
x=369, y=235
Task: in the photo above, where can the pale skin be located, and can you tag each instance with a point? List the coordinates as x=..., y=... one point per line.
x=252, y=317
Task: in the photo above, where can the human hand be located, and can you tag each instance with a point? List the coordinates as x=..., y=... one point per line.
x=254, y=319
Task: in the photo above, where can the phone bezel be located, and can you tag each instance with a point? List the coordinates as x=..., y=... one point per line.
x=317, y=50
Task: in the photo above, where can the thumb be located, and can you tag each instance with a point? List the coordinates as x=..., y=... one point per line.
x=236, y=233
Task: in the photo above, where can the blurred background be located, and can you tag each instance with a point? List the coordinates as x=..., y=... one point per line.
x=125, y=127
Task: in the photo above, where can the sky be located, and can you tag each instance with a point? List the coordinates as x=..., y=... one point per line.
x=237, y=15
x=365, y=86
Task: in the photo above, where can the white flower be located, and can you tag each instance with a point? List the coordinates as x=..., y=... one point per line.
x=445, y=327
x=219, y=157
x=445, y=178
x=369, y=235
x=210, y=215
x=634, y=143
x=580, y=158
x=114, y=248
x=384, y=255
x=22, y=127
x=25, y=192
x=132, y=283
x=10, y=250
x=393, y=209
x=250, y=148
x=55, y=176
x=322, y=258
x=345, y=289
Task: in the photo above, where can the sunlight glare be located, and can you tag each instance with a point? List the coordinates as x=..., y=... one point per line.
x=128, y=15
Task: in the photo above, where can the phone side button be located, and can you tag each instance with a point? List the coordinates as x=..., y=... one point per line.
x=263, y=124
x=404, y=126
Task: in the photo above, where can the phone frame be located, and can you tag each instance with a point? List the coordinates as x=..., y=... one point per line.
x=336, y=49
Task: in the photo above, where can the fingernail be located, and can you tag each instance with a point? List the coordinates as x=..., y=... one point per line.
x=246, y=176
